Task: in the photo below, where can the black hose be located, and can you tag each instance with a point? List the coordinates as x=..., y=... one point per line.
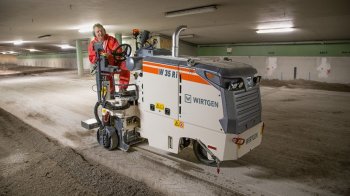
x=96, y=114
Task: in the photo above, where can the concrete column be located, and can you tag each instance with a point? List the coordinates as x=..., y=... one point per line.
x=79, y=58
x=118, y=36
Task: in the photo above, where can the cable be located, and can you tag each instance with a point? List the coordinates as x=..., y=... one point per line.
x=96, y=114
x=92, y=87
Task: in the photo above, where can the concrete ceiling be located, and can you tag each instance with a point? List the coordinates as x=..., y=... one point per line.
x=235, y=21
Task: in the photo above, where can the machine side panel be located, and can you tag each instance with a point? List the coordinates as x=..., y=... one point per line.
x=165, y=135
x=160, y=89
x=201, y=103
x=160, y=86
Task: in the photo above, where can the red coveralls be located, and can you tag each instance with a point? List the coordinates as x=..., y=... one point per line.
x=110, y=44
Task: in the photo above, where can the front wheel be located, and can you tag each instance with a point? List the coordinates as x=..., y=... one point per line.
x=202, y=155
x=107, y=140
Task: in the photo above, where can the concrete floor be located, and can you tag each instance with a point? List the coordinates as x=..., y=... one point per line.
x=33, y=164
x=305, y=149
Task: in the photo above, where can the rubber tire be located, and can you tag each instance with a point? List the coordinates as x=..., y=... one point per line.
x=114, y=141
x=110, y=142
x=201, y=154
x=98, y=136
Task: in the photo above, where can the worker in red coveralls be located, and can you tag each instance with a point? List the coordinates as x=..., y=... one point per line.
x=109, y=45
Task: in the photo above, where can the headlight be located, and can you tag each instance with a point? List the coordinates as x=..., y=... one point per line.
x=240, y=84
x=257, y=79
x=235, y=84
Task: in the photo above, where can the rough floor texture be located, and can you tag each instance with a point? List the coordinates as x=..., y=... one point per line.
x=307, y=84
x=305, y=148
x=32, y=164
x=307, y=138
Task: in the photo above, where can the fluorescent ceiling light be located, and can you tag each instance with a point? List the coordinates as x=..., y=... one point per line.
x=276, y=24
x=279, y=30
x=65, y=46
x=190, y=11
x=11, y=52
x=32, y=50
x=18, y=42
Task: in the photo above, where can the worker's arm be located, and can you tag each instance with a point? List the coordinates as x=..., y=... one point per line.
x=92, y=53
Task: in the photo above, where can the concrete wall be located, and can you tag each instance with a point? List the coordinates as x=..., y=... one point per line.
x=67, y=60
x=8, y=59
x=334, y=69
x=323, y=69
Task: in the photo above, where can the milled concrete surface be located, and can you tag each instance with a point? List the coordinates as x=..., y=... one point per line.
x=305, y=149
x=33, y=164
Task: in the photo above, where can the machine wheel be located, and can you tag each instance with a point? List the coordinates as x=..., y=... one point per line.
x=110, y=142
x=202, y=155
x=98, y=136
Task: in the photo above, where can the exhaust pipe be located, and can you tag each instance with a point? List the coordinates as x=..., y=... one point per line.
x=176, y=34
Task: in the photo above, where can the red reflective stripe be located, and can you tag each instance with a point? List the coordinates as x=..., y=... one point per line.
x=212, y=147
x=237, y=140
x=150, y=69
x=160, y=65
x=193, y=78
x=184, y=76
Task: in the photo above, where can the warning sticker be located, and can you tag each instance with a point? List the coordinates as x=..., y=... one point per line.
x=159, y=106
x=179, y=124
x=104, y=111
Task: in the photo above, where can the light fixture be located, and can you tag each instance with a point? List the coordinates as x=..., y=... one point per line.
x=190, y=11
x=18, y=42
x=65, y=46
x=32, y=50
x=276, y=30
x=187, y=36
x=11, y=52
x=286, y=23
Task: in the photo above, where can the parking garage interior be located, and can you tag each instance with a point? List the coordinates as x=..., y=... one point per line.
x=301, y=50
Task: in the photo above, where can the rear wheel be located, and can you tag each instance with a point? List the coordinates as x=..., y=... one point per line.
x=114, y=142
x=109, y=141
x=98, y=133
x=202, y=155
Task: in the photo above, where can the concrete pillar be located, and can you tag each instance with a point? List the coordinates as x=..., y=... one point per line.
x=79, y=58
x=118, y=36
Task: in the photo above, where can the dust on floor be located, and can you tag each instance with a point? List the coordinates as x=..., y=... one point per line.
x=33, y=164
x=307, y=84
